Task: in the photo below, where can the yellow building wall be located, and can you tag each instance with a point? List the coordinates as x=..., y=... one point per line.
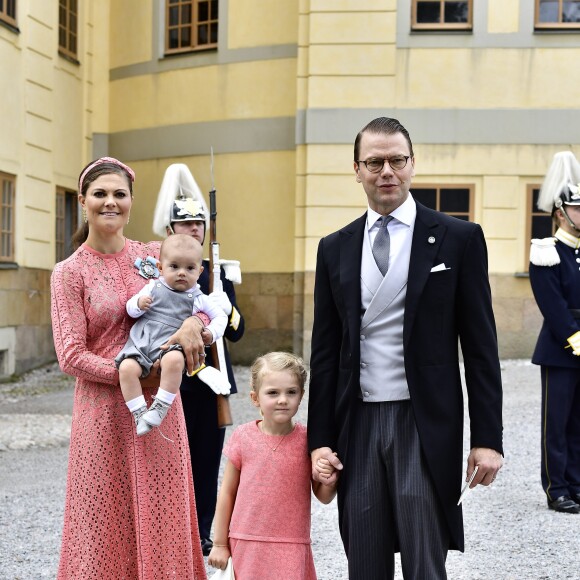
x=231, y=91
x=46, y=119
x=262, y=23
x=274, y=203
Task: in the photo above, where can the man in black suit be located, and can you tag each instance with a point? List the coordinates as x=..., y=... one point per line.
x=395, y=290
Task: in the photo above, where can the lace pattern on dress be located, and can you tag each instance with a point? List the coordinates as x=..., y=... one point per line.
x=130, y=507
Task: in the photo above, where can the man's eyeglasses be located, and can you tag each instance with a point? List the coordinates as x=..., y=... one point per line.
x=376, y=164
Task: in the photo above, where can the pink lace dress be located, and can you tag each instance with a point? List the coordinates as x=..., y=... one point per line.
x=130, y=507
x=270, y=526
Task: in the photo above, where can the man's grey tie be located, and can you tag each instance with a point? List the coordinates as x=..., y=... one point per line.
x=382, y=245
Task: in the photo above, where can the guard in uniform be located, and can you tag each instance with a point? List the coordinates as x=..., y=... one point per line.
x=181, y=209
x=555, y=280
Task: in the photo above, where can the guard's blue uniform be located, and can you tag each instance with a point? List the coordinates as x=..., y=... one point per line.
x=206, y=439
x=557, y=291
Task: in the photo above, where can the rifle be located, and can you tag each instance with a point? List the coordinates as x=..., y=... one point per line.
x=215, y=284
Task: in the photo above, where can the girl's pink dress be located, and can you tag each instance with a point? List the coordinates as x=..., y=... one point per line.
x=270, y=526
x=130, y=508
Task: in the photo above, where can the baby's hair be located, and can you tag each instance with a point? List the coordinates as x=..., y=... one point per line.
x=277, y=362
x=184, y=243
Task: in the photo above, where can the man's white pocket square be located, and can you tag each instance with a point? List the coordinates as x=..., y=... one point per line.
x=439, y=268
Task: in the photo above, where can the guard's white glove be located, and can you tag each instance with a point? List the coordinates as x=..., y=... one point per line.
x=222, y=300
x=574, y=342
x=217, y=381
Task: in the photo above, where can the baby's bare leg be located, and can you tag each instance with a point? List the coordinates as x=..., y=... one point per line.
x=129, y=373
x=172, y=365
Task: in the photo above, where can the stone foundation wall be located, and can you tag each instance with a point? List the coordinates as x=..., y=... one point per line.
x=25, y=327
x=278, y=309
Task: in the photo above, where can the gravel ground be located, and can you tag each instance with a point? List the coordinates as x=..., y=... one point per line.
x=510, y=534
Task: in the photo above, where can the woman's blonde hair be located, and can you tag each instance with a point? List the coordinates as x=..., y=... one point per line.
x=277, y=362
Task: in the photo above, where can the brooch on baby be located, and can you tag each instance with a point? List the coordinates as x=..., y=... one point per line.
x=147, y=267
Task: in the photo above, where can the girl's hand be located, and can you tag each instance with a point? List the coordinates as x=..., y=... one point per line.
x=218, y=557
x=324, y=468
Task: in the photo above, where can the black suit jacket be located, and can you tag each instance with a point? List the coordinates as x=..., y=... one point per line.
x=440, y=309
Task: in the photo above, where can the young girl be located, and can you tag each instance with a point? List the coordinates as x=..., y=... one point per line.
x=160, y=308
x=263, y=510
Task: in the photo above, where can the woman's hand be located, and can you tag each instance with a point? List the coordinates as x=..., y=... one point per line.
x=151, y=381
x=189, y=337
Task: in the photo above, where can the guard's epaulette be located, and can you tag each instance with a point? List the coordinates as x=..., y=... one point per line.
x=543, y=252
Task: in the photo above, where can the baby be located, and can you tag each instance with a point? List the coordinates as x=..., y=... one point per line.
x=160, y=307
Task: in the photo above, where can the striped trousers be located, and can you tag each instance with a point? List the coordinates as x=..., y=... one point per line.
x=386, y=499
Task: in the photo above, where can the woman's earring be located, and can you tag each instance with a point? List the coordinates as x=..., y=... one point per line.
x=128, y=218
x=85, y=219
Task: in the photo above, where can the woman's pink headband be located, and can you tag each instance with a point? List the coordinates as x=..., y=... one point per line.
x=101, y=161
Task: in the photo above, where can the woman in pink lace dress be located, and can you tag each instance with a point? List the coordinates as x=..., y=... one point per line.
x=130, y=507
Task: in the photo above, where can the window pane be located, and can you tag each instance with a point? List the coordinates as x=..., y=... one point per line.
x=571, y=12
x=428, y=12
x=427, y=197
x=214, y=9
x=214, y=33
x=534, y=196
x=456, y=11
x=202, y=12
x=549, y=11
x=173, y=38
x=202, y=35
x=174, y=16
x=186, y=36
x=454, y=200
x=541, y=226
x=1, y=5
x=186, y=14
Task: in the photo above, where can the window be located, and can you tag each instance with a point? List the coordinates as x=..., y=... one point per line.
x=67, y=220
x=67, y=28
x=557, y=14
x=8, y=11
x=442, y=14
x=8, y=188
x=454, y=200
x=539, y=223
x=191, y=25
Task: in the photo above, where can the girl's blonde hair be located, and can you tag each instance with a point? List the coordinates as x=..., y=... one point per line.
x=277, y=362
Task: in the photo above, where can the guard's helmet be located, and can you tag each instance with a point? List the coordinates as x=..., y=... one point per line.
x=187, y=209
x=179, y=200
x=561, y=184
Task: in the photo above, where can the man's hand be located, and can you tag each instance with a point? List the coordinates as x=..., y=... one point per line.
x=189, y=337
x=320, y=470
x=489, y=462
